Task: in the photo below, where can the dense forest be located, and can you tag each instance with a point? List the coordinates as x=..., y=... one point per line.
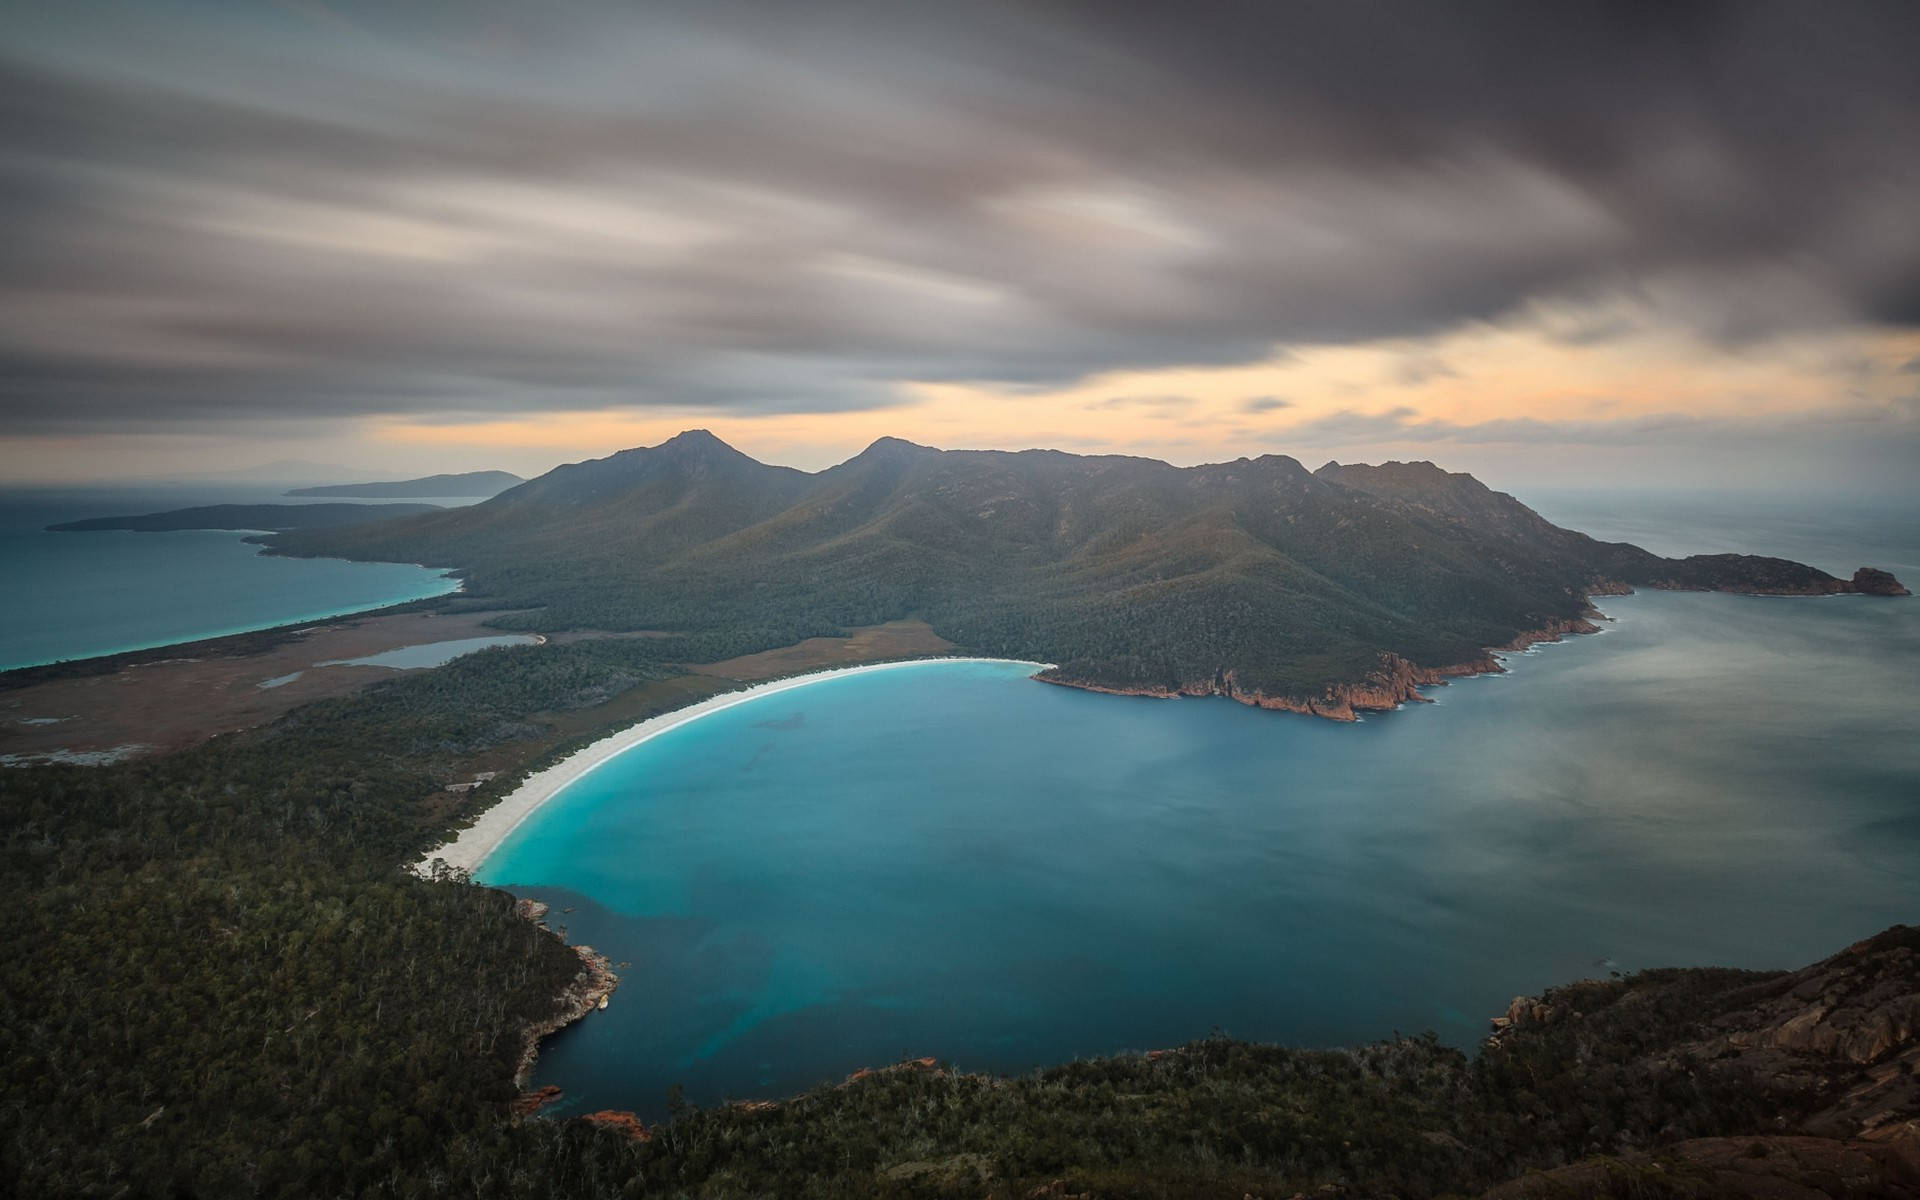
x=219, y=982
x=1125, y=572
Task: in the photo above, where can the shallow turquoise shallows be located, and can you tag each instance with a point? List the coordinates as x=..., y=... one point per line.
x=953, y=860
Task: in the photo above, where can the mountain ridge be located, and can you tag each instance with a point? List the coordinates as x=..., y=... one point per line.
x=1330, y=591
x=464, y=483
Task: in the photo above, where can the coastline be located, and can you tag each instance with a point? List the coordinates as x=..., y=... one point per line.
x=1396, y=682
x=472, y=846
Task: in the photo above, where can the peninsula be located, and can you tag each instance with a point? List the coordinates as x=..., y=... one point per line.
x=466, y=483
x=1327, y=592
x=247, y=516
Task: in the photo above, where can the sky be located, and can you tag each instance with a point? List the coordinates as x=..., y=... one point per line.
x=1581, y=244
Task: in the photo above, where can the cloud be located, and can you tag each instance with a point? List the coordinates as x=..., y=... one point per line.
x=1264, y=404
x=1160, y=403
x=407, y=209
x=1415, y=369
x=1403, y=424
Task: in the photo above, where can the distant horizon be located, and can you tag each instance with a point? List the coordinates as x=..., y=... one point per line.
x=1505, y=477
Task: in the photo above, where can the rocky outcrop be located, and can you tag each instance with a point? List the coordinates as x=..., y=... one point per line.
x=528, y=1103
x=593, y=984
x=1852, y=1022
x=1395, y=682
x=1870, y=581
x=1743, y=1168
x=620, y=1121
x=911, y=1064
x=1837, y=1042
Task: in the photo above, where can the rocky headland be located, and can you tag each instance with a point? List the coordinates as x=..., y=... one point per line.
x=587, y=991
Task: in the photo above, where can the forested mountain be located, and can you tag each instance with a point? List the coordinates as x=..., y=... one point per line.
x=1256, y=577
x=466, y=483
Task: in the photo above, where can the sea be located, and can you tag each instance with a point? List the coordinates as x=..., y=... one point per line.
x=78, y=595
x=955, y=861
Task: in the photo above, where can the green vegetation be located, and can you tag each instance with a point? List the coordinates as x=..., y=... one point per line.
x=217, y=982
x=1126, y=572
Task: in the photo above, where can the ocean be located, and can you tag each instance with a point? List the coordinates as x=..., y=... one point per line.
x=953, y=860
x=77, y=595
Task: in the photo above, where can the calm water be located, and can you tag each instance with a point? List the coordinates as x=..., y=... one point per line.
x=953, y=860
x=75, y=595
x=431, y=654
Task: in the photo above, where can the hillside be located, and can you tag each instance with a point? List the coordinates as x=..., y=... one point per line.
x=466, y=483
x=248, y=516
x=1325, y=591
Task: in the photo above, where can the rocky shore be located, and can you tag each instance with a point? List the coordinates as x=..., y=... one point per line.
x=1395, y=682
x=587, y=991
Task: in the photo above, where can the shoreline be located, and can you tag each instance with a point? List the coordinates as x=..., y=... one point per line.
x=471, y=847
x=1394, y=684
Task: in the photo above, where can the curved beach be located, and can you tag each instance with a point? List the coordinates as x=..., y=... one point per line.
x=472, y=845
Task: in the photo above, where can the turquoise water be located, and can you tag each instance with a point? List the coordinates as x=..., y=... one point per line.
x=432, y=654
x=953, y=860
x=76, y=595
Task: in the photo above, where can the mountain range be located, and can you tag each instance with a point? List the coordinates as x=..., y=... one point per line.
x=1326, y=591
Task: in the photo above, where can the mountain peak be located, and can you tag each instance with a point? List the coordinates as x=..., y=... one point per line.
x=694, y=439
x=893, y=446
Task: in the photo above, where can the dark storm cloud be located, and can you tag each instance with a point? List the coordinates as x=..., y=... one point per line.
x=434, y=209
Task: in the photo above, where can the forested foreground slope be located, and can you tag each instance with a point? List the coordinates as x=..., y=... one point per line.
x=216, y=981
x=1256, y=578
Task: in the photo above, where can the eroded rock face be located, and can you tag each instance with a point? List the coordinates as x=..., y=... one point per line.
x=1836, y=1044
x=1754, y=1168
x=1852, y=1022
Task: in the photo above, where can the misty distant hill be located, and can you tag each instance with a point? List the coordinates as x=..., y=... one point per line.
x=1329, y=590
x=248, y=516
x=469, y=483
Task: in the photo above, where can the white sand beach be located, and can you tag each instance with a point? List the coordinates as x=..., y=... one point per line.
x=472, y=845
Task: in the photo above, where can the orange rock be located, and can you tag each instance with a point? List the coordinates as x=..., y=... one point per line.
x=528, y=1103
x=620, y=1121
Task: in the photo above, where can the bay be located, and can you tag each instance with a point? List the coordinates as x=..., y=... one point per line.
x=78, y=595
x=953, y=860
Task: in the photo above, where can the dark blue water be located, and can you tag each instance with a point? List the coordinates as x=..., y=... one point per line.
x=952, y=860
x=76, y=595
